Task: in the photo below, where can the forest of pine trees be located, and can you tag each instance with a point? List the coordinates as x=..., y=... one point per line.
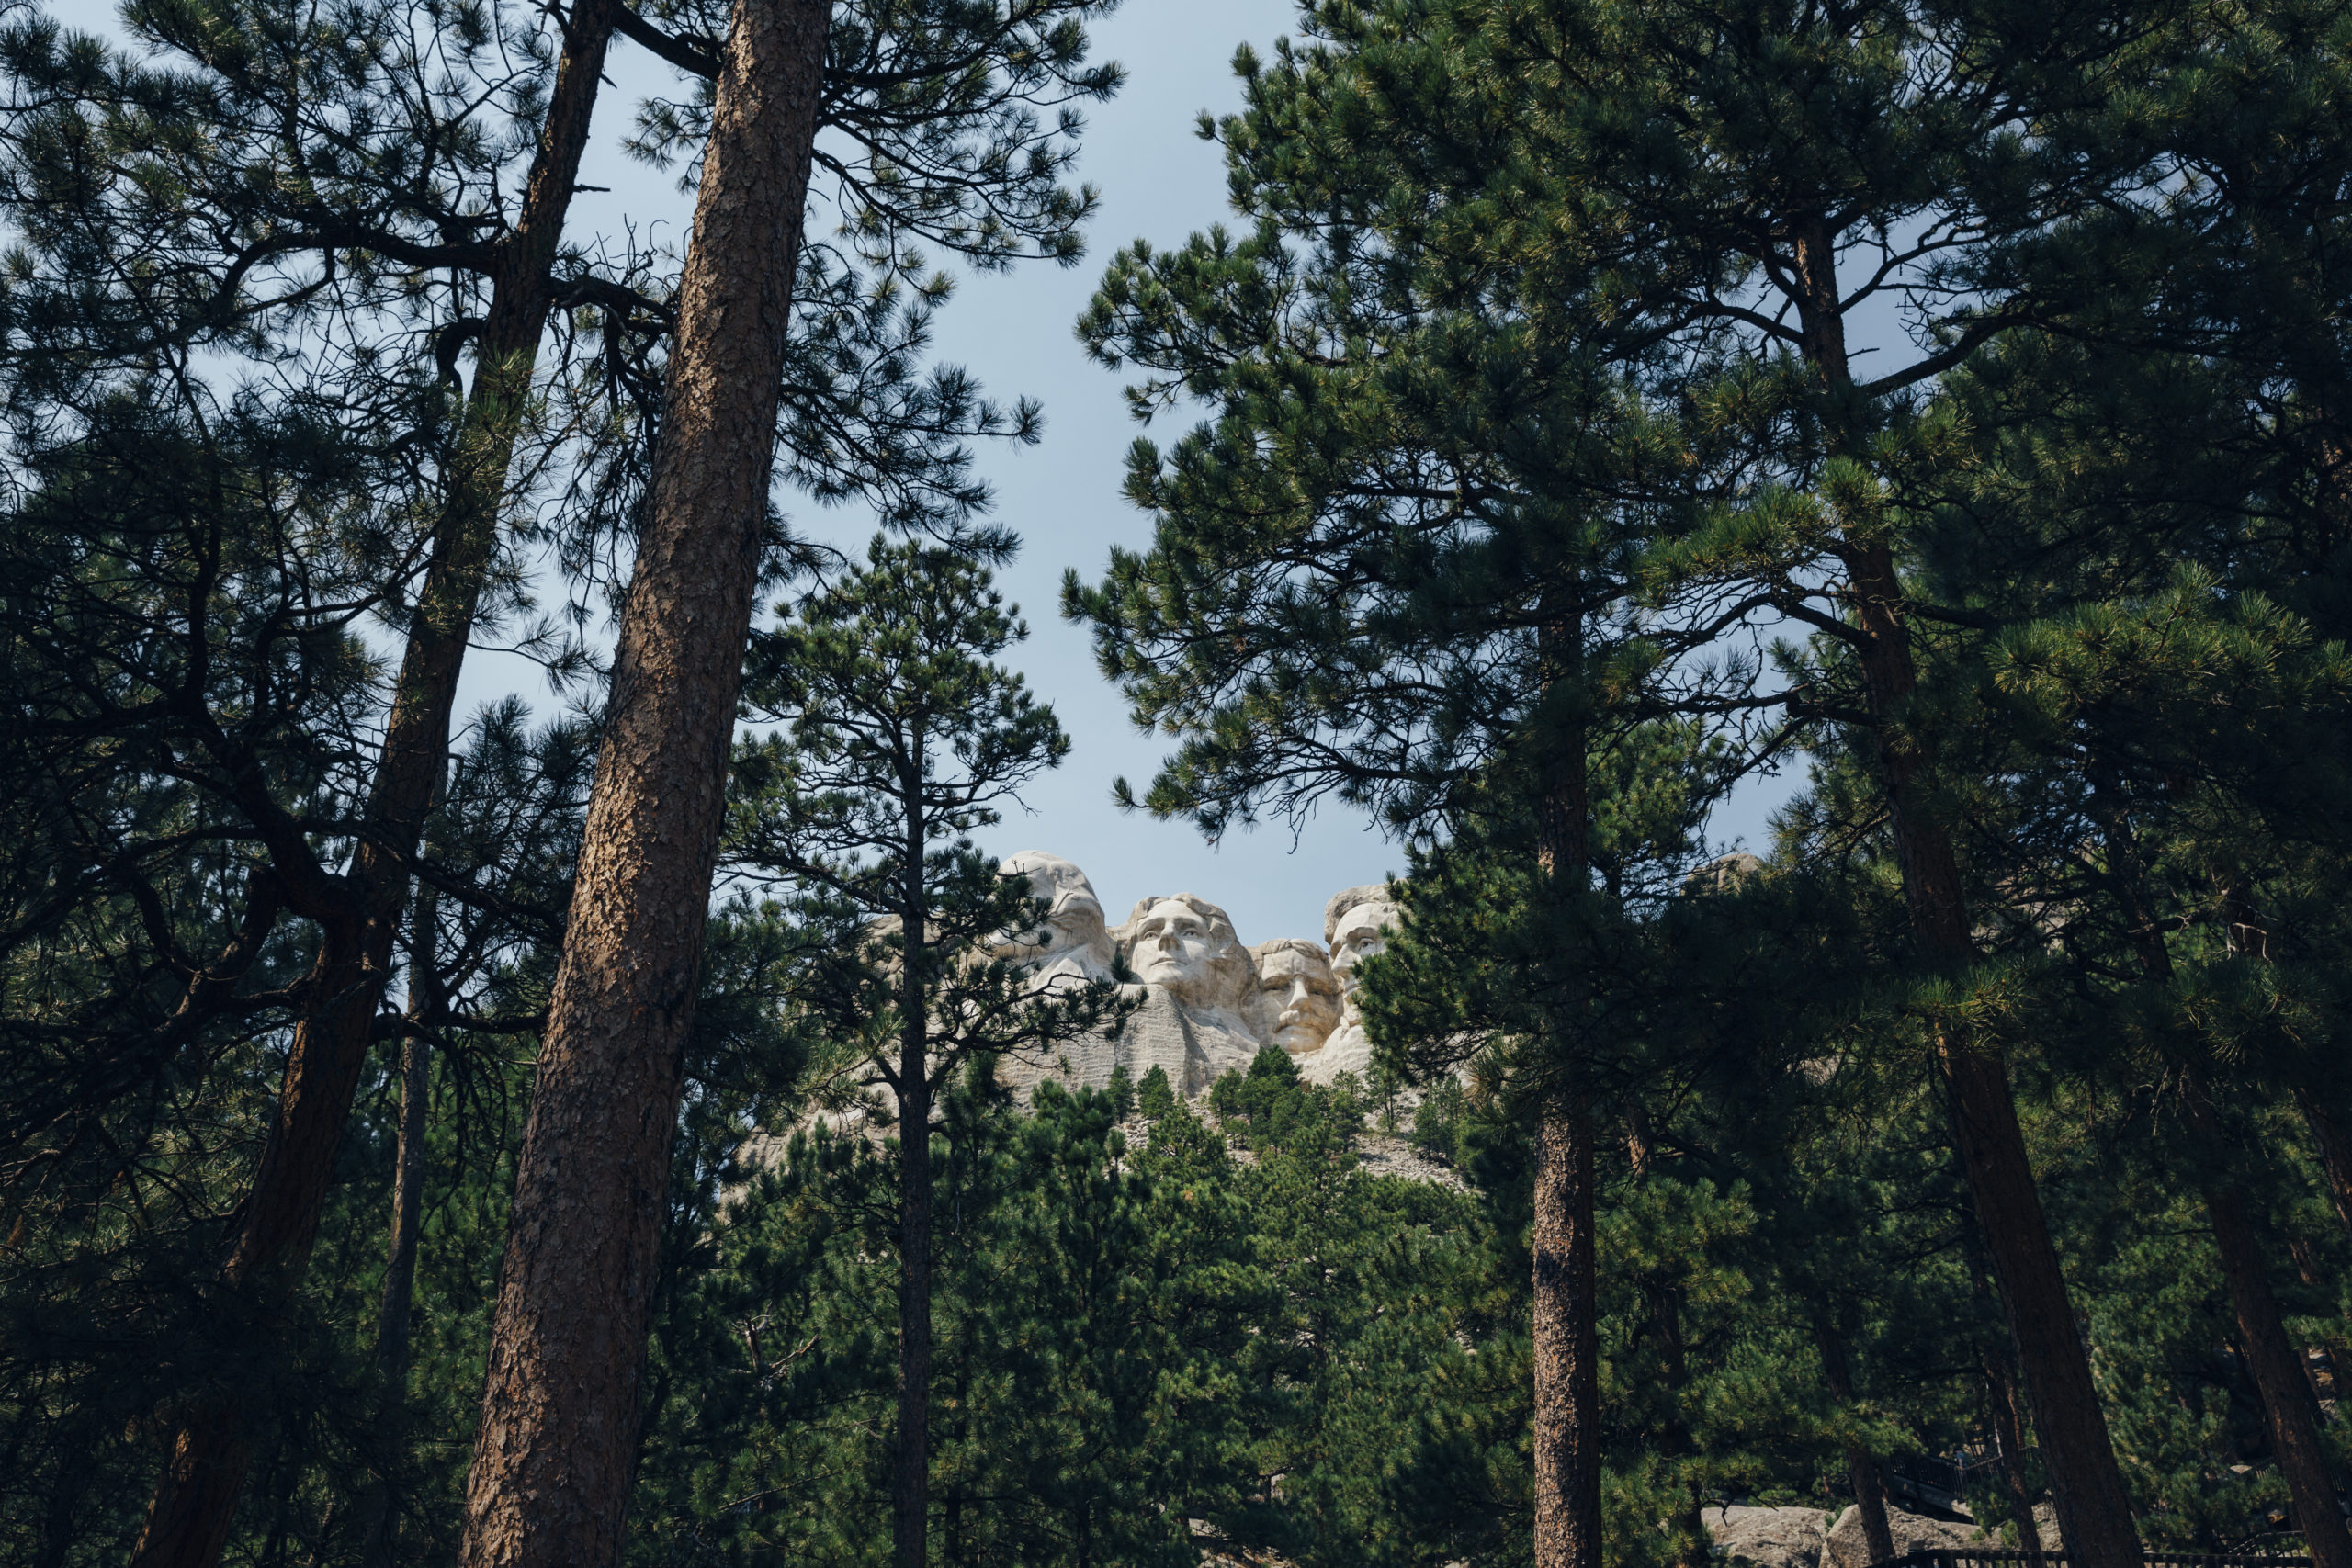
x=446, y=1134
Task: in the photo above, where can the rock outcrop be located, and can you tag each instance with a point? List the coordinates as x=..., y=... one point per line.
x=1769, y=1538
x=1912, y=1532
x=1810, y=1538
x=1206, y=1004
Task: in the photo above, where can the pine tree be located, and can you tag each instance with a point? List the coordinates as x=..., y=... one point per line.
x=905, y=738
x=551, y=1476
x=1748, y=178
x=1397, y=566
x=653, y=832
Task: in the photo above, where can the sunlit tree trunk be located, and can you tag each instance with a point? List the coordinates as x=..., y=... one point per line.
x=553, y=1459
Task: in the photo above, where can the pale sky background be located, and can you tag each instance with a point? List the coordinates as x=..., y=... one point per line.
x=1014, y=331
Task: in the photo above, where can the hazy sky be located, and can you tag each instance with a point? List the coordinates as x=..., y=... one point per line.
x=1160, y=182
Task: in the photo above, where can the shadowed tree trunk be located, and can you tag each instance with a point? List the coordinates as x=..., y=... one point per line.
x=551, y=1463
x=2276, y=1372
x=1567, y=1350
x=1862, y=1471
x=359, y=913
x=2271, y=1358
x=2086, y=1485
x=910, y=1442
x=427, y=1011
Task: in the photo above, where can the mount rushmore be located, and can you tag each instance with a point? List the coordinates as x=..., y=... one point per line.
x=1206, y=1004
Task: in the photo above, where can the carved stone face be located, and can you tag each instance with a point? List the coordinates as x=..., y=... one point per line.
x=1174, y=947
x=1298, y=996
x=1359, y=933
x=1074, y=938
x=1188, y=950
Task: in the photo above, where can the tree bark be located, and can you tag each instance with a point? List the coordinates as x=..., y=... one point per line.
x=2085, y=1486
x=568, y=1343
x=910, y=1442
x=2271, y=1358
x=1567, y=1345
x=2008, y=1442
x=2335, y=1151
x=189, y=1518
x=1862, y=1471
x=2086, y=1483
x=1567, y=1331
x=2271, y=1364
x=427, y=1009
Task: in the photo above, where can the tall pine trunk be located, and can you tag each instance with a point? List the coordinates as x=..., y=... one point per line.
x=1566, y=1348
x=2278, y=1372
x=2086, y=1482
x=427, y=1011
x=910, y=1441
x=2334, y=1151
x=211, y=1447
x=1566, y=1344
x=1862, y=1472
x=551, y=1463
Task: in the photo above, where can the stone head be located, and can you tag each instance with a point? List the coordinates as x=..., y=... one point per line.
x=1073, y=935
x=1185, y=945
x=1724, y=874
x=1355, y=923
x=1298, y=998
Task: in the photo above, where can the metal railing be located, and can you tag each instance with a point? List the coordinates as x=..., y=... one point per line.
x=2014, y=1557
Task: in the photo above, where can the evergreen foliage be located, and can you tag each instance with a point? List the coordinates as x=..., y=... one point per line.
x=1599, y=403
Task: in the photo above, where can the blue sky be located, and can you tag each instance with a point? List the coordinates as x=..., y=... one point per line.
x=1158, y=182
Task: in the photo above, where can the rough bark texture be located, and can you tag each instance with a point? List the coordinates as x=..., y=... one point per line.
x=551, y=1469
x=210, y=1450
x=1861, y=1466
x=1567, y=1350
x=1566, y=1347
x=2086, y=1483
x=2271, y=1360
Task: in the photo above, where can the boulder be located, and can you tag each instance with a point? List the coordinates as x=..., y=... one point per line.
x=1769, y=1538
x=1912, y=1532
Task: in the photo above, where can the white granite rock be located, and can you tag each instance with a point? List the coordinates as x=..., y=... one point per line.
x=1298, y=996
x=1912, y=1532
x=1769, y=1538
x=1356, y=924
x=1206, y=1004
